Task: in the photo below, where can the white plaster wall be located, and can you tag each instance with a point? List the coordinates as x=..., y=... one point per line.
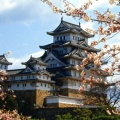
x=3, y=67
x=29, y=86
x=43, y=87
x=67, y=37
x=21, y=87
x=39, y=67
x=75, y=73
x=44, y=77
x=24, y=77
x=63, y=100
x=76, y=62
x=76, y=85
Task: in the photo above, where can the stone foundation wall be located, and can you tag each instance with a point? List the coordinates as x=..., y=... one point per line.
x=40, y=97
x=71, y=93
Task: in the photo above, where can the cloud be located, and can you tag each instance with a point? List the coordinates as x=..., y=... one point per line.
x=24, y=11
x=17, y=61
x=29, y=11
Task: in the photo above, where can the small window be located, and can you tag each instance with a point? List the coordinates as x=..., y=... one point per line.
x=43, y=77
x=24, y=85
x=64, y=37
x=41, y=84
x=33, y=76
x=73, y=37
x=57, y=38
x=45, y=85
x=9, y=86
x=60, y=37
x=5, y=67
x=17, y=85
x=21, y=77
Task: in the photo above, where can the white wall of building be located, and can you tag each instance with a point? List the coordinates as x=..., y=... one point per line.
x=64, y=100
x=29, y=86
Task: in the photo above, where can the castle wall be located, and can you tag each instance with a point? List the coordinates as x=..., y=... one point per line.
x=40, y=97
x=71, y=93
x=62, y=101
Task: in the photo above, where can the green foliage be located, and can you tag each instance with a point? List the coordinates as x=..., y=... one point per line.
x=106, y=117
x=82, y=114
x=11, y=103
x=64, y=117
x=87, y=114
x=25, y=106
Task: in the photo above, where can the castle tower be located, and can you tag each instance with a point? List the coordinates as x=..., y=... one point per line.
x=68, y=50
x=32, y=82
x=4, y=63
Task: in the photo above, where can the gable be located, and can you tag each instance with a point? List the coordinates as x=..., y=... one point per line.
x=60, y=28
x=53, y=61
x=26, y=70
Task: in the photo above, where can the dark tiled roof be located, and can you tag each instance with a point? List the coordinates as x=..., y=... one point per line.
x=33, y=60
x=69, y=27
x=76, y=44
x=3, y=60
x=14, y=72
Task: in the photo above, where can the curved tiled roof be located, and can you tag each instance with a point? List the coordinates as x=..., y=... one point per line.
x=33, y=60
x=69, y=27
x=3, y=60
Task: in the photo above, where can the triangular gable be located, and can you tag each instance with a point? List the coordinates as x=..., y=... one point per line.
x=51, y=59
x=61, y=27
x=26, y=70
x=83, y=43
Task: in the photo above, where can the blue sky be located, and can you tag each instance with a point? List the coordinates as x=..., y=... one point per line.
x=24, y=23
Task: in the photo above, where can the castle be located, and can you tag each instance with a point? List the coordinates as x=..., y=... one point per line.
x=52, y=80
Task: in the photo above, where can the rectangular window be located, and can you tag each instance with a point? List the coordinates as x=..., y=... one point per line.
x=24, y=85
x=73, y=37
x=9, y=86
x=64, y=37
x=57, y=38
x=33, y=76
x=17, y=85
x=60, y=37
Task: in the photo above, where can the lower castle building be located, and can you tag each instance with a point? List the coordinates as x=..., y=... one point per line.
x=52, y=80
